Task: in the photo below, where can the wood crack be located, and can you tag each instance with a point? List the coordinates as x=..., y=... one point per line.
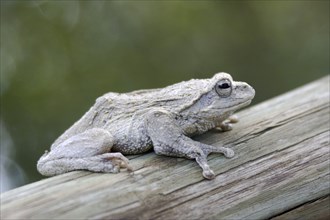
x=300, y=206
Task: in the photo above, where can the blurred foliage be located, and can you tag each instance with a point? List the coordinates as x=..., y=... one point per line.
x=57, y=57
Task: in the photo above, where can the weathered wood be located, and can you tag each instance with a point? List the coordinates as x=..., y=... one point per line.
x=281, y=167
x=319, y=209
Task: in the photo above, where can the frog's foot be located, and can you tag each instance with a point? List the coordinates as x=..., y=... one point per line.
x=117, y=160
x=226, y=125
x=104, y=163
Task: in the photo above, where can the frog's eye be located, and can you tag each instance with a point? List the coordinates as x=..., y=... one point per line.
x=223, y=88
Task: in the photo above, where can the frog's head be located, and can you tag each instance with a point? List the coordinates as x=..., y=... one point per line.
x=221, y=96
x=227, y=94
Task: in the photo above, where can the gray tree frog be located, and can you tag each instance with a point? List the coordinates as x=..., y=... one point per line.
x=135, y=122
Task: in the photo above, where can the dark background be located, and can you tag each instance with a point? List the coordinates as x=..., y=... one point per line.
x=57, y=57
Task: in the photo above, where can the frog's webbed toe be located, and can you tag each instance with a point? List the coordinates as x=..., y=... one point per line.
x=117, y=160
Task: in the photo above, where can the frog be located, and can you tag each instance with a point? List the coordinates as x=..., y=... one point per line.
x=164, y=120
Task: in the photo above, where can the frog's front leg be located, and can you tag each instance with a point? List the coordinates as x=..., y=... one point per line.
x=85, y=151
x=168, y=139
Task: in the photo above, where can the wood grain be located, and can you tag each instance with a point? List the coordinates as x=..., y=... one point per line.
x=280, y=170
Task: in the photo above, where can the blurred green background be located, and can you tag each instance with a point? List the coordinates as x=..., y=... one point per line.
x=57, y=57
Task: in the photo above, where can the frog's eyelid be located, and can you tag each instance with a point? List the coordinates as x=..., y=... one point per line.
x=226, y=80
x=223, y=92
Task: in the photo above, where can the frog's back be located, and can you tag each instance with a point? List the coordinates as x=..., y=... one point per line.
x=171, y=98
x=116, y=110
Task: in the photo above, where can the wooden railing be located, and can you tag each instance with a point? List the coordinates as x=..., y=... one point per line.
x=281, y=171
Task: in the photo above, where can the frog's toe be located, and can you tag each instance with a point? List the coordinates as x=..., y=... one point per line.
x=110, y=168
x=227, y=124
x=126, y=165
x=229, y=153
x=233, y=119
x=226, y=127
x=208, y=174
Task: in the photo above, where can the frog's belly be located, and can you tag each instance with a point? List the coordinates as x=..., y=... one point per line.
x=132, y=140
x=132, y=146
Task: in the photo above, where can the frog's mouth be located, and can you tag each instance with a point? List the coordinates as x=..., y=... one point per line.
x=238, y=106
x=246, y=103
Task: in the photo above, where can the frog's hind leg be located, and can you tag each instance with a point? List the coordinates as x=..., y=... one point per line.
x=89, y=150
